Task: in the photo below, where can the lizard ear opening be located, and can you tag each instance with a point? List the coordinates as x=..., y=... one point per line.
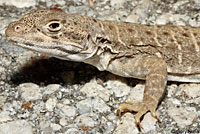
x=54, y=26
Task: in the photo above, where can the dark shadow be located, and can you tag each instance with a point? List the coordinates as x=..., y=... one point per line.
x=52, y=71
x=44, y=71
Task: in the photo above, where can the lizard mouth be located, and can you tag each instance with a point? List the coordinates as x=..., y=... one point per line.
x=36, y=46
x=61, y=51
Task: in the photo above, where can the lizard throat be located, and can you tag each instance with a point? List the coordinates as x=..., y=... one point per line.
x=61, y=51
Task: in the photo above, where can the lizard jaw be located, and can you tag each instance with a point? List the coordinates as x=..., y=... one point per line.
x=61, y=51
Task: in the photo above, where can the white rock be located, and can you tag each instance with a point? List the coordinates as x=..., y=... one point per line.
x=66, y=110
x=183, y=116
x=66, y=101
x=192, y=90
x=16, y=127
x=89, y=104
x=197, y=2
x=132, y=18
x=2, y=69
x=136, y=93
x=2, y=100
x=85, y=120
x=127, y=125
x=30, y=91
x=169, y=17
x=93, y=89
x=4, y=116
x=117, y=3
x=73, y=131
x=195, y=100
x=25, y=56
x=61, y=2
x=51, y=103
x=148, y=123
x=55, y=126
x=171, y=90
x=19, y=3
x=63, y=121
x=118, y=86
x=51, y=88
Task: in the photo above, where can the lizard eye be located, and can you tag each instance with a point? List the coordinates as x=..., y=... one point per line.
x=54, y=26
x=17, y=28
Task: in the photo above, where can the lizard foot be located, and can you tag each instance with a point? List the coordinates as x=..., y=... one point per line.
x=140, y=107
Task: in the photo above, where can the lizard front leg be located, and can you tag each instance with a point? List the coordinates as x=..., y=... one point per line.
x=154, y=70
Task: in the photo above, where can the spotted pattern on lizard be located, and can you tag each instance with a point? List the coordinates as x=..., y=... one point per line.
x=155, y=53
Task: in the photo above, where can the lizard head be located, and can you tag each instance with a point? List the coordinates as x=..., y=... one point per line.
x=56, y=33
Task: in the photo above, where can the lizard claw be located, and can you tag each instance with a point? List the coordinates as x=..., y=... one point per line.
x=141, y=109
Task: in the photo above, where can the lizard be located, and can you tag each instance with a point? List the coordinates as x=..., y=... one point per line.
x=154, y=53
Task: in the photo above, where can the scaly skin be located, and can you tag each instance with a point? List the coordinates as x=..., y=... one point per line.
x=156, y=53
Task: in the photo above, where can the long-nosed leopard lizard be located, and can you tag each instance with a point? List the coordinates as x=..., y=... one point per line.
x=156, y=53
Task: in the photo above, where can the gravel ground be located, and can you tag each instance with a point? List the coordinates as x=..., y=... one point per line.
x=44, y=95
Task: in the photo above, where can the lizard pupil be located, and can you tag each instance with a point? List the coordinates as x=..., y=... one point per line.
x=54, y=25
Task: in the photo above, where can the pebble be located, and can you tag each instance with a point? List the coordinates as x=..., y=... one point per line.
x=136, y=94
x=127, y=125
x=86, y=120
x=148, y=123
x=66, y=110
x=55, y=127
x=51, y=103
x=73, y=131
x=183, y=116
x=118, y=85
x=51, y=88
x=92, y=89
x=4, y=116
x=19, y=3
x=117, y=3
x=192, y=90
x=96, y=104
x=30, y=91
x=16, y=127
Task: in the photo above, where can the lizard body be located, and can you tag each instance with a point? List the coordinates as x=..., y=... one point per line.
x=156, y=53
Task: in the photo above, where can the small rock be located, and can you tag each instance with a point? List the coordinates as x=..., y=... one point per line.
x=183, y=116
x=73, y=131
x=2, y=69
x=136, y=94
x=168, y=17
x=30, y=91
x=4, y=116
x=93, y=89
x=51, y=103
x=148, y=123
x=66, y=110
x=85, y=120
x=192, y=90
x=171, y=90
x=51, y=88
x=25, y=57
x=16, y=127
x=196, y=2
x=118, y=86
x=117, y=3
x=127, y=125
x=55, y=127
x=2, y=100
x=85, y=106
x=19, y=3
x=132, y=18
x=63, y=121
